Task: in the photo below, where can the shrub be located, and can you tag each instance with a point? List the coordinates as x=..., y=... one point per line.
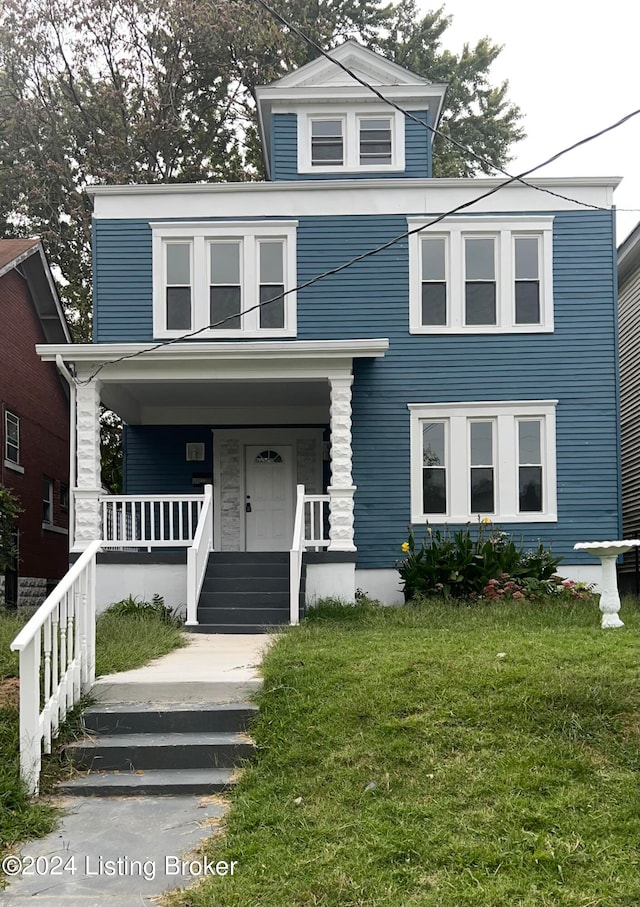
x=466, y=564
x=153, y=610
x=9, y=512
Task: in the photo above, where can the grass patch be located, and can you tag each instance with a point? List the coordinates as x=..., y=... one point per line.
x=122, y=642
x=433, y=773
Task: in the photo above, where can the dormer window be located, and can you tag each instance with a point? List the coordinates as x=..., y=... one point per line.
x=327, y=143
x=350, y=141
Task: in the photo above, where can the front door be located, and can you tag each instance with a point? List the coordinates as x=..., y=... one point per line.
x=269, y=498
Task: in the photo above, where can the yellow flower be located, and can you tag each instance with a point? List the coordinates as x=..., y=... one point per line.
x=405, y=546
x=486, y=520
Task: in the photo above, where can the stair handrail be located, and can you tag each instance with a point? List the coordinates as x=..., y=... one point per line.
x=64, y=630
x=198, y=556
x=295, y=558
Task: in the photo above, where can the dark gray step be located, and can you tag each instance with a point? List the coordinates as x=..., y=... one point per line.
x=130, y=752
x=244, y=600
x=244, y=615
x=147, y=718
x=233, y=628
x=243, y=583
x=249, y=557
x=254, y=570
x=158, y=783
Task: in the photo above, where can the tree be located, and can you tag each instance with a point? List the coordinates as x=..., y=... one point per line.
x=9, y=512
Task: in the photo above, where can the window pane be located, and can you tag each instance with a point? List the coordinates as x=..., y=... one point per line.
x=530, y=489
x=225, y=262
x=482, y=490
x=326, y=142
x=481, y=443
x=434, y=499
x=178, y=308
x=433, y=258
x=434, y=303
x=526, y=258
x=529, y=441
x=271, y=262
x=47, y=500
x=272, y=315
x=375, y=141
x=479, y=259
x=178, y=263
x=480, y=303
x=13, y=430
x=433, y=444
x=326, y=128
x=225, y=307
x=527, y=302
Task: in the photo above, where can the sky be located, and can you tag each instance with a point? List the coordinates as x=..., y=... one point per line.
x=572, y=69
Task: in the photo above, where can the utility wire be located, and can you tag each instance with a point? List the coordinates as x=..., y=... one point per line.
x=467, y=150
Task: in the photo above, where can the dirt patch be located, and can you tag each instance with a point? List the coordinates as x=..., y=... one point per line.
x=9, y=693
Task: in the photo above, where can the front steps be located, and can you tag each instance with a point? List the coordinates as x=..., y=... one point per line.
x=142, y=748
x=245, y=592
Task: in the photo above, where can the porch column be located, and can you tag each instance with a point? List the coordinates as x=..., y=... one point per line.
x=88, y=524
x=342, y=489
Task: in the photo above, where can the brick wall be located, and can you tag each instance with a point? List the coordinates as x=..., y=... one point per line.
x=31, y=389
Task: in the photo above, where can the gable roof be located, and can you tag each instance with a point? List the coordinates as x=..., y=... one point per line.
x=28, y=255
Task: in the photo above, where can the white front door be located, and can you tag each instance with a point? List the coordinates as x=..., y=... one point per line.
x=269, y=497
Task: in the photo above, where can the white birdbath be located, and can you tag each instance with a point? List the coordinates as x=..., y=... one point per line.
x=609, y=597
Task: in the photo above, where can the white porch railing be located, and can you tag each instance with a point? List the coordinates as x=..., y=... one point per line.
x=198, y=555
x=316, y=513
x=150, y=521
x=308, y=532
x=57, y=661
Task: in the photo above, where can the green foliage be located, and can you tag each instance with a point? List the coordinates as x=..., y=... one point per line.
x=9, y=513
x=465, y=563
x=111, y=450
x=144, y=610
x=335, y=609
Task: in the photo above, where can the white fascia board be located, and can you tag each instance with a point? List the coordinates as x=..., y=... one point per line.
x=352, y=94
x=214, y=351
x=413, y=197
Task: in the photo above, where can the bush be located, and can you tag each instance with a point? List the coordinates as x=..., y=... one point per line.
x=466, y=564
x=9, y=512
x=154, y=610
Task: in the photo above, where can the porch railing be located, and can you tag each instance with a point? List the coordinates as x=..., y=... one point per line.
x=295, y=558
x=150, y=521
x=57, y=661
x=316, y=521
x=198, y=555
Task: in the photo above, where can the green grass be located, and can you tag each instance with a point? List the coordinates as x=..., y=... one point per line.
x=499, y=782
x=122, y=642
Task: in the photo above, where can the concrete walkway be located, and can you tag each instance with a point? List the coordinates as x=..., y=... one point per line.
x=127, y=851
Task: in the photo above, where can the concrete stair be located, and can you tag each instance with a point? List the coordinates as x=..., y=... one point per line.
x=167, y=748
x=245, y=592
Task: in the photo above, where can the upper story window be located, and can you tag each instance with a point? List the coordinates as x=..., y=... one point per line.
x=225, y=279
x=495, y=459
x=47, y=500
x=481, y=275
x=11, y=438
x=338, y=141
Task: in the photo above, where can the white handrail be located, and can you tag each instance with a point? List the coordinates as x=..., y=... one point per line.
x=150, y=520
x=295, y=558
x=62, y=633
x=198, y=556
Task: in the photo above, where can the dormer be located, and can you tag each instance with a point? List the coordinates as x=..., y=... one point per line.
x=320, y=123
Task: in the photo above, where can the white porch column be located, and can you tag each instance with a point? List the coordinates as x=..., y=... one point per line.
x=88, y=476
x=342, y=489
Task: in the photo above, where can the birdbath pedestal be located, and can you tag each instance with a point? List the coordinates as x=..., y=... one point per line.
x=609, y=597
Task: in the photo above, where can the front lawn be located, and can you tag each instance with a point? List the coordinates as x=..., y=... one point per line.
x=449, y=755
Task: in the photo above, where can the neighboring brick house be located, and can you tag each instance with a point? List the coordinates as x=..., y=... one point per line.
x=34, y=423
x=629, y=327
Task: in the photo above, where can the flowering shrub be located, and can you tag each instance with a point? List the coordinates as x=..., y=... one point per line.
x=471, y=564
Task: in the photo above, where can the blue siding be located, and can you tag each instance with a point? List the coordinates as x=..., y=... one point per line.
x=154, y=458
x=284, y=151
x=576, y=364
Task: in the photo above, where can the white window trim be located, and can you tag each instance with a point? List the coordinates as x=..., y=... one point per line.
x=505, y=415
x=199, y=234
x=49, y=501
x=351, y=138
x=504, y=229
x=12, y=464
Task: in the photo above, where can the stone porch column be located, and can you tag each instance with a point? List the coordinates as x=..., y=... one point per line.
x=342, y=489
x=88, y=475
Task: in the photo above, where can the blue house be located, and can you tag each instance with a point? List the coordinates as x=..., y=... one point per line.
x=313, y=364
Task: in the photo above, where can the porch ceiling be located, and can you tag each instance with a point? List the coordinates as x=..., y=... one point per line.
x=222, y=402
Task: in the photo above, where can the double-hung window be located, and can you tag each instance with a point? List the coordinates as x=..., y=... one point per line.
x=11, y=438
x=47, y=500
x=233, y=279
x=335, y=140
x=481, y=275
x=495, y=460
